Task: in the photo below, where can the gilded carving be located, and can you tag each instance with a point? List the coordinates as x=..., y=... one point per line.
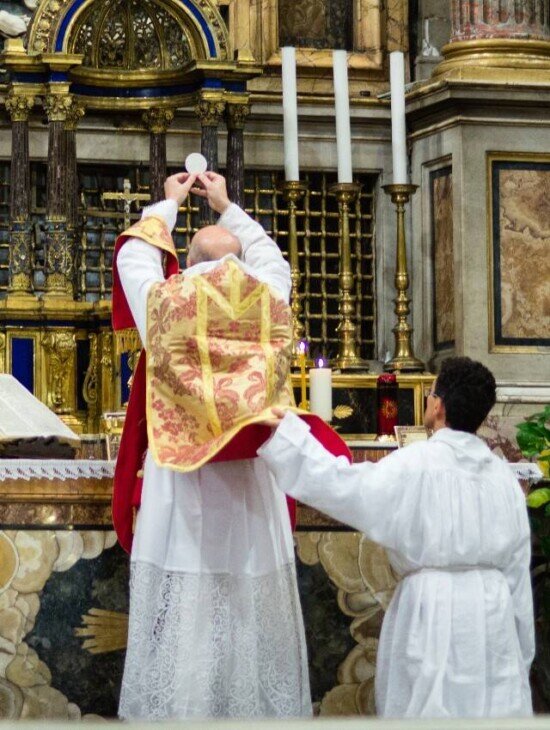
x=361, y=571
x=19, y=106
x=20, y=251
x=50, y=14
x=73, y=115
x=61, y=348
x=157, y=120
x=90, y=385
x=58, y=106
x=59, y=259
x=237, y=115
x=210, y=112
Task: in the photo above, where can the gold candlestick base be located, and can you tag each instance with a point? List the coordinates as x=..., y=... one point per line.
x=348, y=357
x=403, y=358
x=294, y=191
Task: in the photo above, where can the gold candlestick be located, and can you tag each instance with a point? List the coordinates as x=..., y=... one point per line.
x=348, y=358
x=293, y=191
x=403, y=358
x=301, y=357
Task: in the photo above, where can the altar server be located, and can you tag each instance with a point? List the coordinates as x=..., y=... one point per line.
x=458, y=636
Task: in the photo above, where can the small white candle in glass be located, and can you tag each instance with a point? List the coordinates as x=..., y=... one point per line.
x=343, y=125
x=290, y=113
x=398, y=121
x=320, y=390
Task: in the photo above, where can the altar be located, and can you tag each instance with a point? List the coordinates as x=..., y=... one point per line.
x=64, y=595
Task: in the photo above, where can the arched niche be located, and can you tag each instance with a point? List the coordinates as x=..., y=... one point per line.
x=66, y=26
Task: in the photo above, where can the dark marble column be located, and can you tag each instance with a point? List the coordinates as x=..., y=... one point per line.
x=59, y=262
x=74, y=114
x=508, y=19
x=210, y=112
x=157, y=122
x=236, y=116
x=20, y=283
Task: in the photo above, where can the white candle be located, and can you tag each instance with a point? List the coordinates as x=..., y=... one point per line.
x=343, y=127
x=290, y=113
x=398, y=123
x=320, y=391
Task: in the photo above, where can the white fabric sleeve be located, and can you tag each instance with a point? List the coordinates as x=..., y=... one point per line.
x=260, y=252
x=360, y=495
x=518, y=577
x=140, y=265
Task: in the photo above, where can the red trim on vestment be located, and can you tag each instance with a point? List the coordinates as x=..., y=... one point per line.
x=127, y=485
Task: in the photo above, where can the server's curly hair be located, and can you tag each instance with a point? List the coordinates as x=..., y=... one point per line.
x=468, y=391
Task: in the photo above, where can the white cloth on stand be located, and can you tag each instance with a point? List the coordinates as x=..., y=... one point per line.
x=215, y=626
x=458, y=636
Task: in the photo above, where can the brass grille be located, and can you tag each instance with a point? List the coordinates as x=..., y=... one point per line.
x=102, y=220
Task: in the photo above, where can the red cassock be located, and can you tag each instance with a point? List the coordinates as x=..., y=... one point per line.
x=134, y=442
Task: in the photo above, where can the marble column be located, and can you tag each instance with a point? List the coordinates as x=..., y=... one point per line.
x=157, y=122
x=236, y=115
x=21, y=249
x=485, y=19
x=210, y=112
x=74, y=114
x=59, y=261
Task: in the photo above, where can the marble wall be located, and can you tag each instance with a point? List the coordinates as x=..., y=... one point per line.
x=441, y=202
x=521, y=252
x=471, y=128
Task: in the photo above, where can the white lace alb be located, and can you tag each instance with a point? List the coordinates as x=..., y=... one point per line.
x=214, y=645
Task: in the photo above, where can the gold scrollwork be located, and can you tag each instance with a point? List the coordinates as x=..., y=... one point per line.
x=89, y=388
x=60, y=348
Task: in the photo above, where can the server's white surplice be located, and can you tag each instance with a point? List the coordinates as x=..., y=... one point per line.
x=215, y=619
x=458, y=636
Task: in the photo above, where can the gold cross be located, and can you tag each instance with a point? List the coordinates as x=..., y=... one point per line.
x=128, y=197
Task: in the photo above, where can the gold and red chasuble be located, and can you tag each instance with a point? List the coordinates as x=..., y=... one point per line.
x=218, y=359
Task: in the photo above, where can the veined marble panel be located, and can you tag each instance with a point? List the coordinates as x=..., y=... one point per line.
x=521, y=252
x=441, y=201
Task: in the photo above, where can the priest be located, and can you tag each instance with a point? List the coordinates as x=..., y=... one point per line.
x=215, y=624
x=458, y=636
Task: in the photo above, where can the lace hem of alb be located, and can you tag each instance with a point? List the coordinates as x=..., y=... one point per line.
x=203, y=645
x=55, y=469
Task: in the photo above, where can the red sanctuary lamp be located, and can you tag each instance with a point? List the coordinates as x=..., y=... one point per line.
x=386, y=402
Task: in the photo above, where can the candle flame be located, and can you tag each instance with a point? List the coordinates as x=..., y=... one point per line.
x=301, y=347
x=320, y=363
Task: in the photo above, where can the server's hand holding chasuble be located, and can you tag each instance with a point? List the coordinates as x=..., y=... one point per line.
x=218, y=338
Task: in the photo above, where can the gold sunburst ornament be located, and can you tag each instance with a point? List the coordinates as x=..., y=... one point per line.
x=342, y=412
x=106, y=631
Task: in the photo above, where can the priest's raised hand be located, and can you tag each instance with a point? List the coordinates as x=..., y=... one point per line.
x=214, y=189
x=177, y=187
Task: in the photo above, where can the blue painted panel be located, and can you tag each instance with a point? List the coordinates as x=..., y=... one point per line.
x=125, y=373
x=22, y=361
x=126, y=92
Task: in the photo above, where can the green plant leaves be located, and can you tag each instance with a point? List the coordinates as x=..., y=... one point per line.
x=538, y=497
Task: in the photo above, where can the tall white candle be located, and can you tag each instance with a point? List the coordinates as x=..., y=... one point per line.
x=343, y=127
x=290, y=114
x=398, y=123
x=320, y=391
